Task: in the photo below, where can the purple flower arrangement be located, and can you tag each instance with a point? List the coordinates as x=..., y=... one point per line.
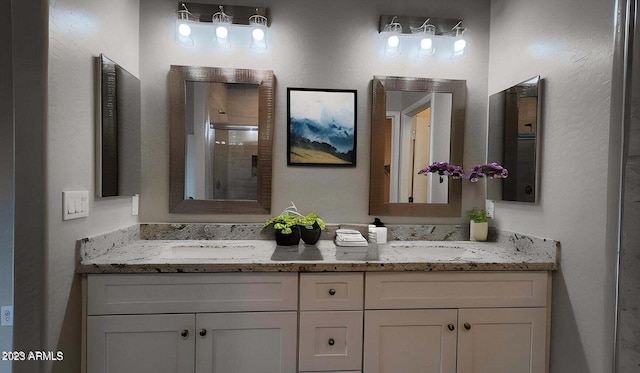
x=443, y=169
x=491, y=170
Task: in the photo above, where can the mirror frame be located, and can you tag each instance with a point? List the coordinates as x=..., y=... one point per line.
x=178, y=75
x=380, y=85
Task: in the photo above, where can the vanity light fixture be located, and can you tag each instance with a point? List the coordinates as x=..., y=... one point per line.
x=393, y=30
x=221, y=21
x=460, y=44
x=426, y=43
x=198, y=24
x=183, y=26
x=258, y=24
x=422, y=36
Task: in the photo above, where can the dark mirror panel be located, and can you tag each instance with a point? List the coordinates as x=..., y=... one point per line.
x=118, y=131
x=513, y=141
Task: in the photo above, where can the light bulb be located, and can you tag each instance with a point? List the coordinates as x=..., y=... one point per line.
x=257, y=34
x=426, y=44
x=222, y=32
x=393, y=41
x=184, y=29
x=459, y=45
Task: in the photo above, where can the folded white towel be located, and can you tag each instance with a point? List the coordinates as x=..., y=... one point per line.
x=350, y=237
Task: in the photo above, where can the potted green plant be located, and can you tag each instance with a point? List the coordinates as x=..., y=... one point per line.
x=311, y=227
x=286, y=228
x=291, y=225
x=479, y=227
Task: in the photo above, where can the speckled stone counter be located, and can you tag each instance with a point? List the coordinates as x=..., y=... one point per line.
x=124, y=252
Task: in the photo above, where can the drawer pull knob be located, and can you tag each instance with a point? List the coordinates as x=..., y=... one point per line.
x=331, y=342
x=184, y=333
x=203, y=332
x=332, y=291
x=467, y=326
x=451, y=327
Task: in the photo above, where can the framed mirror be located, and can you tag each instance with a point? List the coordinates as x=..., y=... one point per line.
x=514, y=141
x=415, y=122
x=221, y=140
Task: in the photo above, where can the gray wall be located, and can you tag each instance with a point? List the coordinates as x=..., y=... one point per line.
x=575, y=58
x=312, y=44
x=79, y=30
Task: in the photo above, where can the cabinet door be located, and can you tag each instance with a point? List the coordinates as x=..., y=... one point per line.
x=253, y=342
x=141, y=344
x=410, y=341
x=502, y=340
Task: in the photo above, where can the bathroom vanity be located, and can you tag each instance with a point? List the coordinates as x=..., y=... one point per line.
x=483, y=307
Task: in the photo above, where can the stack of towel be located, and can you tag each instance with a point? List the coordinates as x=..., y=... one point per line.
x=350, y=237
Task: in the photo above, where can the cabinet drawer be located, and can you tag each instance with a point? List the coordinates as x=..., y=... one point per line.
x=456, y=290
x=330, y=341
x=187, y=292
x=331, y=291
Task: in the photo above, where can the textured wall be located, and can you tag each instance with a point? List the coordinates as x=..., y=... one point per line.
x=574, y=57
x=79, y=30
x=313, y=44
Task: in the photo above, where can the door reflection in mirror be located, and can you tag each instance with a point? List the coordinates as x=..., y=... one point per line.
x=221, y=141
x=417, y=133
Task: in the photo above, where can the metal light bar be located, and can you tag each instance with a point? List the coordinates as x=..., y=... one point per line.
x=411, y=24
x=240, y=15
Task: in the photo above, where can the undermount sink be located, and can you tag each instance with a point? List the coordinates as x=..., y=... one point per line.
x=213, y=250
x=433, y=249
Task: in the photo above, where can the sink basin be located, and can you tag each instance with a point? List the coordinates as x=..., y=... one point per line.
x=432, y=249
x=213, y=250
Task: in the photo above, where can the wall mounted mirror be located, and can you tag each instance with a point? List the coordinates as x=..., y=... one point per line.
x=415, y=122
x=118, y=148
x=513, y=141
x=221, y=140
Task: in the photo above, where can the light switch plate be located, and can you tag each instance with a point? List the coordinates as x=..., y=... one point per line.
x=75, y=204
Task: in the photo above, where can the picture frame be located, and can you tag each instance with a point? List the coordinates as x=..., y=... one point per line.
x=321, y=127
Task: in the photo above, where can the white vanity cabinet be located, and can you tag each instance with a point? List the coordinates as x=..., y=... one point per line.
x=456, y=322
x=201, y=323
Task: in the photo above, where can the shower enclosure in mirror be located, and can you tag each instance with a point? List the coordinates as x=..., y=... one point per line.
x=415, y=122
x=221, y=123
x=514, y=141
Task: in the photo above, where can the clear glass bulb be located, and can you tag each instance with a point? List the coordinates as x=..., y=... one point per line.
x=184, y=29
x=426, y=44
x=393, y=41
x=222, y=32
x=459, y=46
x=257, y=34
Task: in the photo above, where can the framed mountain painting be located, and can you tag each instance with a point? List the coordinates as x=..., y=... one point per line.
x=321, y=127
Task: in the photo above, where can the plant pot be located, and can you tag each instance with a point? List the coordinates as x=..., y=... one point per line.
x=478, y=231
x=288, y=239
x=310, y=235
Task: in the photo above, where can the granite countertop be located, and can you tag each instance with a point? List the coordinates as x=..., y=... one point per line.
x=510, y=253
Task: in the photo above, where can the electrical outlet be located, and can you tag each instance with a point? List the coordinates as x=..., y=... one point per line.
x=490, y=208
x=6, y=316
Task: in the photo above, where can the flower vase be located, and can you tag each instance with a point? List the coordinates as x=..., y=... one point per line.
x=288, y=239
x=478, y=231
x=311, y=234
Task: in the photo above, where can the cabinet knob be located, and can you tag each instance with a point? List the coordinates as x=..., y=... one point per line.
x=332, y=291
x=202, y=332
x=467, y=326
x=184, y=333
x=451, y=327
x=331, y=341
